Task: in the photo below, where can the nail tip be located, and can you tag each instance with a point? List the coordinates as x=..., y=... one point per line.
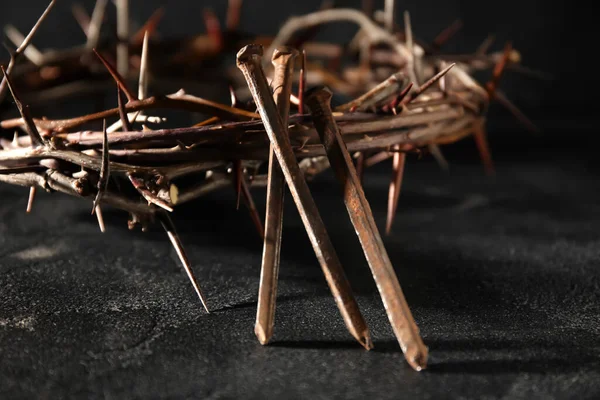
x=419, y=360
x=262, y=335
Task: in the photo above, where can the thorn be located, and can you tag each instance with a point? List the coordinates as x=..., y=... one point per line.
x=23, y=47
x=442, y=81
x=377, y=158
x=233, y=96
x=258, y=224
x=375, y=95
x=123, y=37
x=169, y=227
x=122, y=112
x=213, y=27
x=499, y=68
x=81, y=16
x=445, y=35
x=32, y=192
x=143, y=80
x=238, y=178
x=149, y=26
x=530, y=72
x=140, y=185
x=436, y=152
x=401, y=97
x=395, y=185
x=485, y=46
x=408, y=33
x=302, y=83
x=8, y=48
x=480, y=135
x=31, y=52
x=514, y=110
x=389, y=15
x=34, y=134
x=234, y=12
x=426, y=85
x=116, y=76
x=104, y=171
x=95, y=26
x=100, y=219
x=208, y=121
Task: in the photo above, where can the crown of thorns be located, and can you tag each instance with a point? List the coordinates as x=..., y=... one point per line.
x=400, y=96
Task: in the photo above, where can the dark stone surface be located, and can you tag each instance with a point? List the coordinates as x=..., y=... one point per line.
x=502, y=277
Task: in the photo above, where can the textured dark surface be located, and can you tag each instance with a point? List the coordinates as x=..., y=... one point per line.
x=502, y=277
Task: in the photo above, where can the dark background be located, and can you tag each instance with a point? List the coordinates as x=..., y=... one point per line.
x=501, y=274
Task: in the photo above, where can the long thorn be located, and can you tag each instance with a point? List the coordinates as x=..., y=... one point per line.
x=380, y=92
x=31, y=52
x=143, y=81
x=93, y=31
x=437, y=154
x=413, y=65
x=252, y=208
x=499, y=68
x=169, y=227
x=149, y=26
x=238, y=174
x=399, y=160
x=389, y=13
x=23, y=47
x=140, y=185
x=123, y=37
x=81, y=16
x=302, y=83
x=377, y=158
x=445, y=35
x=32, y=192
x=213, y=27
x=34, y=134
x=427, y=85
x=501, y=98
x=480, y=136
x=234, y=12
x=401, y=97
x=104, y=171
x=485, y=46
x=100, y=218
x=122, y=112
x=116, y=76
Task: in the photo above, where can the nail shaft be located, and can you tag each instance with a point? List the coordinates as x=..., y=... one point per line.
x=283, y=62
x=407, y=333
x=249, y=61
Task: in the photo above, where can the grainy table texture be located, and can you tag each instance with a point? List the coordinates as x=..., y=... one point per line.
x=501, y=275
